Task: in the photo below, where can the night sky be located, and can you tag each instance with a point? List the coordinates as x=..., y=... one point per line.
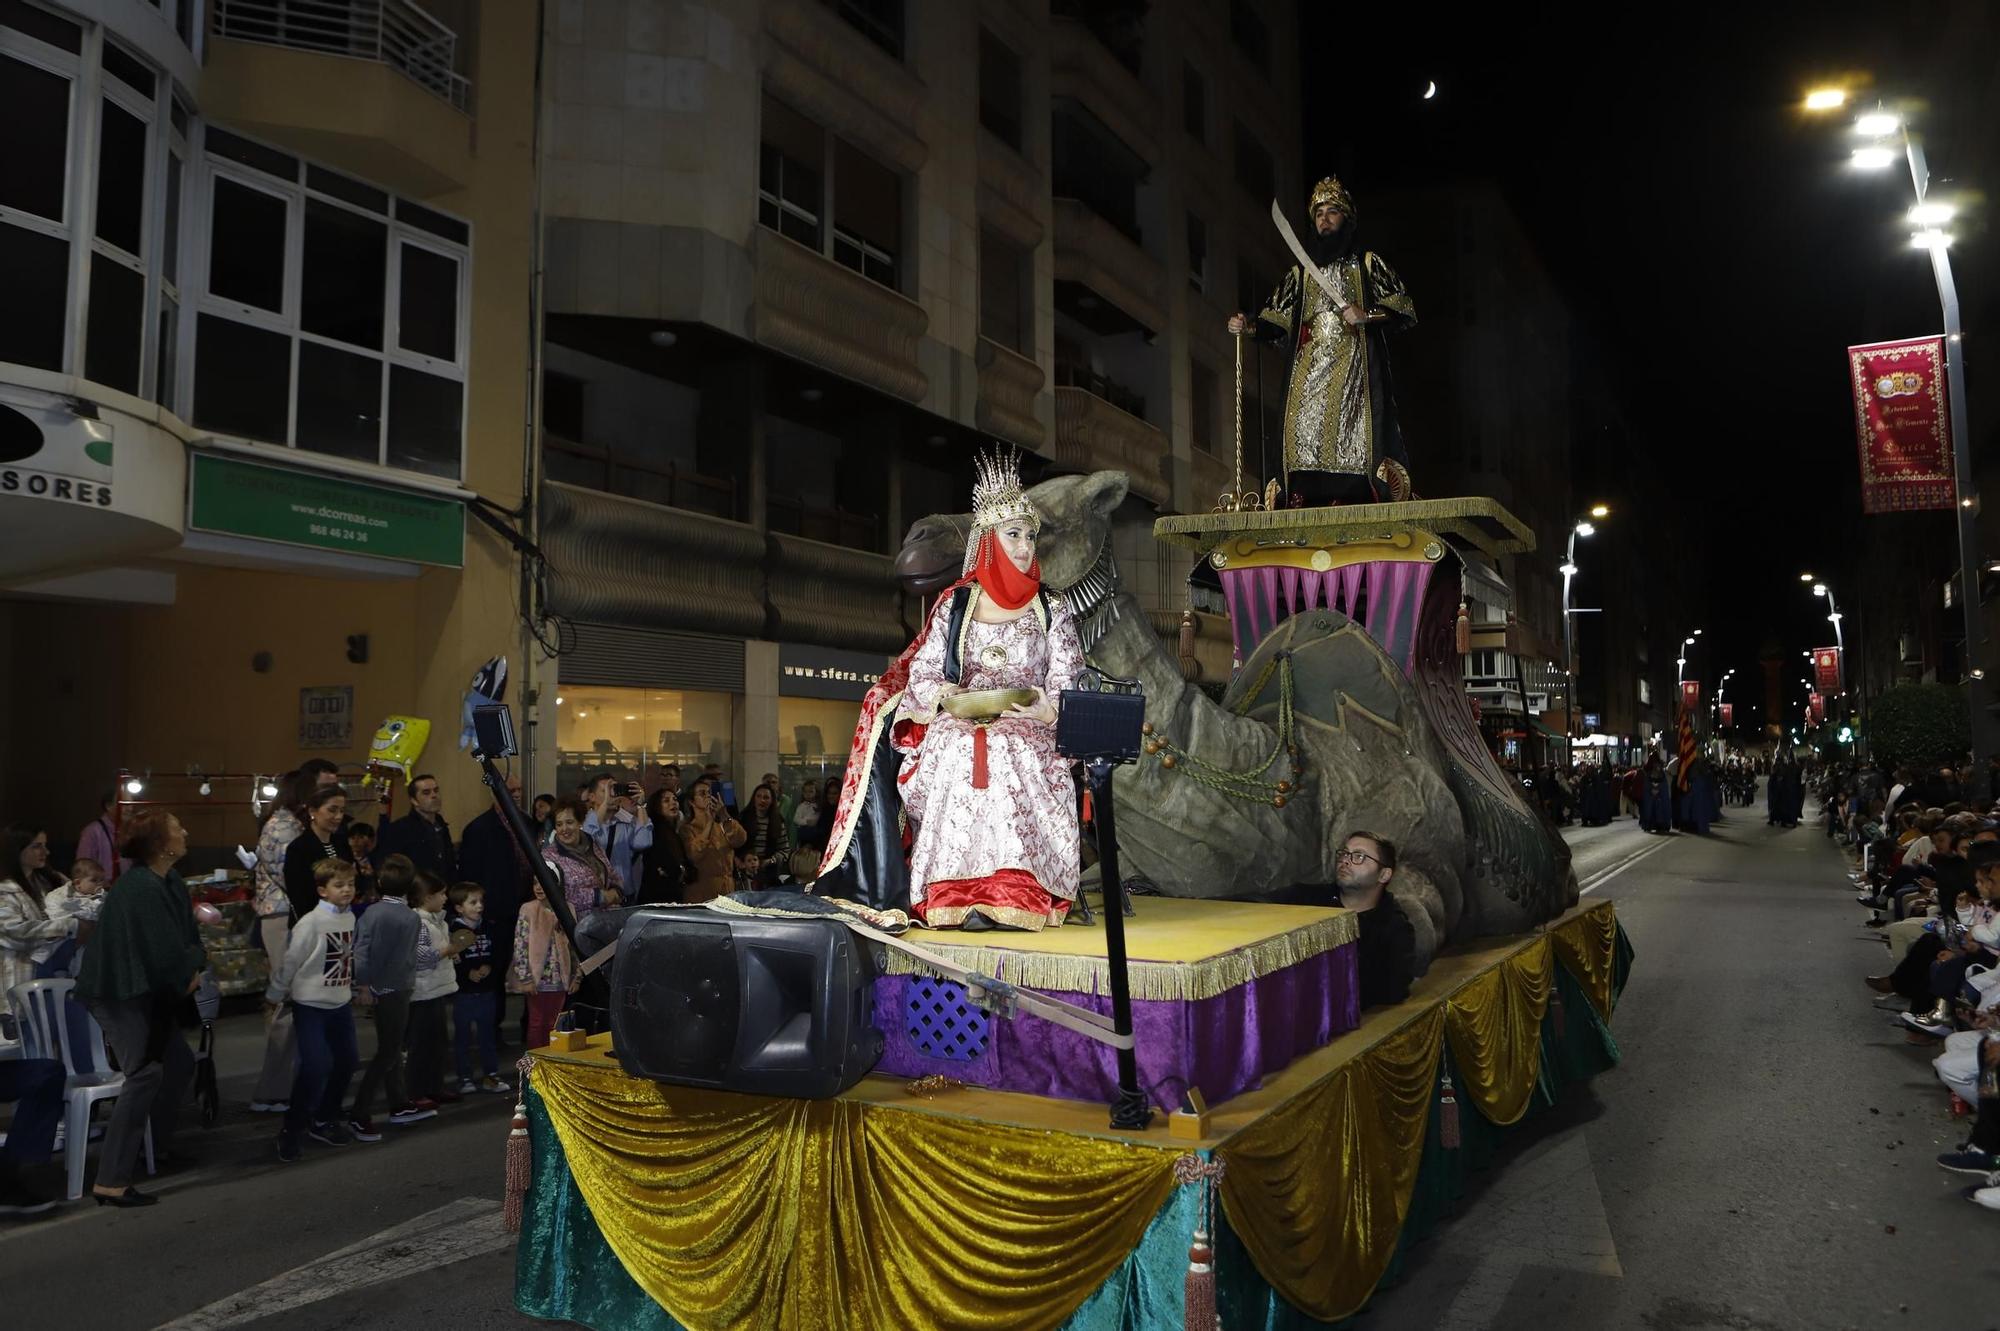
x=1714, y=246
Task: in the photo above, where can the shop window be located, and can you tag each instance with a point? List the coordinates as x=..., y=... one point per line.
x=374, y=322
x=1003, y=287
x=632, y=731
x=999, y=90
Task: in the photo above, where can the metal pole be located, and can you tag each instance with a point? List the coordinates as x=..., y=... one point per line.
x=1130, y=1109
x=1569, y=562
x=1980, y=721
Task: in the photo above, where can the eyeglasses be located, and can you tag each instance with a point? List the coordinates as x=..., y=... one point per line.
x=1356, y=857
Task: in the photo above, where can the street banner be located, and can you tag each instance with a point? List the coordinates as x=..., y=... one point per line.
x=1902, y=426
x=1826, y=669
x=1690, y=694
x=1816, y=707
x=1728, y=714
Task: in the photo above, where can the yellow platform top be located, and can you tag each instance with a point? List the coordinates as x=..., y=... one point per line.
x=1481, y=522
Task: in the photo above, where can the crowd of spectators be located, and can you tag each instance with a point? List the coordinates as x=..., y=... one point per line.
x=1926, y=859
x=427, y=936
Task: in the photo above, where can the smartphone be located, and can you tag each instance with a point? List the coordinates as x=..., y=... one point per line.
x=728, y=794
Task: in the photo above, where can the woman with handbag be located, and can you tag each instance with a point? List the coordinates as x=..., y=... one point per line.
x=144, y=959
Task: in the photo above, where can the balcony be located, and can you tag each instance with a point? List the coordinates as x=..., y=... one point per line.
x=395, y=33
x=809, y=307
x=1083, y=71
x=1092, y=253
x=1092, y=435
x=835, y=597
x=820, y=65
x=1008, y=386
x=350, y=82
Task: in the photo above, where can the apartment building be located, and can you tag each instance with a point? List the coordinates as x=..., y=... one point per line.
x=803, y=256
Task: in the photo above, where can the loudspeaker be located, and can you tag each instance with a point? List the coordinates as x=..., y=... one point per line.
x=763, y=1006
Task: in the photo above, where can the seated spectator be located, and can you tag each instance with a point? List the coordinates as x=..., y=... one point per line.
x=1972, y=937
x=26, y=924
x=1386, y=953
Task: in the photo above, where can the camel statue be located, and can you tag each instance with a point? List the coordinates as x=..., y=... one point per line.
x=1364, y=748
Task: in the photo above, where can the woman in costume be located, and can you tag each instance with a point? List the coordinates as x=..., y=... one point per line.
x=990, y=806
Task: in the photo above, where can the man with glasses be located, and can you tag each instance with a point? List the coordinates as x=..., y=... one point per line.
x=1386, y=952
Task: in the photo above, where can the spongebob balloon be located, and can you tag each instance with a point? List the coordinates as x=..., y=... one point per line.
x=399, y=743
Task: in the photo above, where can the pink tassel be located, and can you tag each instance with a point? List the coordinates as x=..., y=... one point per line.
x=1448, y=1136
x=979, y=757
x=1463, y=638
x=520, y=1159
x=1200, y=1285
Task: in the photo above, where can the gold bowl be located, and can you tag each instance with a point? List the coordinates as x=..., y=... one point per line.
x=985, y=704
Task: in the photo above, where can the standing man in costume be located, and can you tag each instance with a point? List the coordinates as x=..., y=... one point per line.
x=1342, y=441
x=990, y=804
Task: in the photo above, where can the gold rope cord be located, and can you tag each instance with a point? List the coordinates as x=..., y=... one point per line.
x=1588, y=946
x=737, y=1211
x=1494, y=1023
x=1318, y=1189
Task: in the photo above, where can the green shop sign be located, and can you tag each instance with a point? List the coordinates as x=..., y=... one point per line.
x=237, y=498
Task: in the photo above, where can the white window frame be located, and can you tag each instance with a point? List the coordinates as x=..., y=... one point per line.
x=73, y=68
x=153, y=188
x=204, y=169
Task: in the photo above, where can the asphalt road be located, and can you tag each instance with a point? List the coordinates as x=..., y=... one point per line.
x=1761, y=1160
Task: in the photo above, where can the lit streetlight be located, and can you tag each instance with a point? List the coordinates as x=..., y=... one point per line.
x=1568, y=568
x=1826, y=99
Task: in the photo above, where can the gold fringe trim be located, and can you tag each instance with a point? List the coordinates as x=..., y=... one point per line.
x=1151, y=981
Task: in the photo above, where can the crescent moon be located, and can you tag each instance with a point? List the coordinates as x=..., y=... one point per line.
x=1431, y=91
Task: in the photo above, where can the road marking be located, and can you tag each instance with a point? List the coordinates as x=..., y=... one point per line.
x=1603, y=876
x=468, y=1227
x=1544, y=1211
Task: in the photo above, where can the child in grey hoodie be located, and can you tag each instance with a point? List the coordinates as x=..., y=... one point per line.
x=385, y=963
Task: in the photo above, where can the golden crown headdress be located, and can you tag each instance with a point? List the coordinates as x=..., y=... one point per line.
x=1331, y=191
x=997, y=496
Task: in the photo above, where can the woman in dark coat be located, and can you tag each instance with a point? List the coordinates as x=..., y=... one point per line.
x=664, y=869
x=144, y=959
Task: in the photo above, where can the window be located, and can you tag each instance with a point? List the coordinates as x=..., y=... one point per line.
x=1003, y=287
x=867, y=215
x=1254, y=171
x=999, y=90
x=880, y=21
x=1197, y=240
x=38, y=77
x=1645, y=694
x=791, y=169
x=1201, y=395
x=1247, y=30
x=361, y=353
x=628, y=730
x=1194, y=104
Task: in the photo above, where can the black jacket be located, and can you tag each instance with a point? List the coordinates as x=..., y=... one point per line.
x=427, y=844
x=306, y=850
x=488, y=856
x=1387, y=953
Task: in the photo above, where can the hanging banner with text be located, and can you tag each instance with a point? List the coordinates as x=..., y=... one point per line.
x=1816, y=707
x=1690, y=695
x=1826, y=669
x=1902, y=426
x=1727, y=711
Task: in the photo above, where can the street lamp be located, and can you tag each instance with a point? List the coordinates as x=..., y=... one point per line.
x=1581, y=527
x=1882, y=126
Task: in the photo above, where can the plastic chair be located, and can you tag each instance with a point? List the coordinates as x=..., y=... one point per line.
x=43, y=1008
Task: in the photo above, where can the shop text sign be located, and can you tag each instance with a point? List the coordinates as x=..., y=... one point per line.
x=54, y=455
x=326, y=717
x=826, y=672
x=237, y=498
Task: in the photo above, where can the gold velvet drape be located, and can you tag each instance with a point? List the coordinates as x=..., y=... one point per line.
x=1318, y=1189
x=741, y=1212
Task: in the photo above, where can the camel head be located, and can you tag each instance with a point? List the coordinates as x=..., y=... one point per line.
x=1076, y=521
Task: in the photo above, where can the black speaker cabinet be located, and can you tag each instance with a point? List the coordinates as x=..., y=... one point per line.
x=763, y=1006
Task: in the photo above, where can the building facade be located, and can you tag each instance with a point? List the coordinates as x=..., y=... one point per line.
x=802, y=257
x=264, y=354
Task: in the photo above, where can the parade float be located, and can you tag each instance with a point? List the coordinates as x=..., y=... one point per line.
x=1292, y=1146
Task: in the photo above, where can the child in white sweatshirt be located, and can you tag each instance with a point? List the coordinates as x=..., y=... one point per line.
x=317, y=978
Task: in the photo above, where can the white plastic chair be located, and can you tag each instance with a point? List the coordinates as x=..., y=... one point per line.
x=39, y=1007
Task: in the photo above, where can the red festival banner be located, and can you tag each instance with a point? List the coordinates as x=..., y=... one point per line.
x=1816, y=707
x=1826, y=669
x=1690, y=695
x=1902, y=426
x=1727, y=711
